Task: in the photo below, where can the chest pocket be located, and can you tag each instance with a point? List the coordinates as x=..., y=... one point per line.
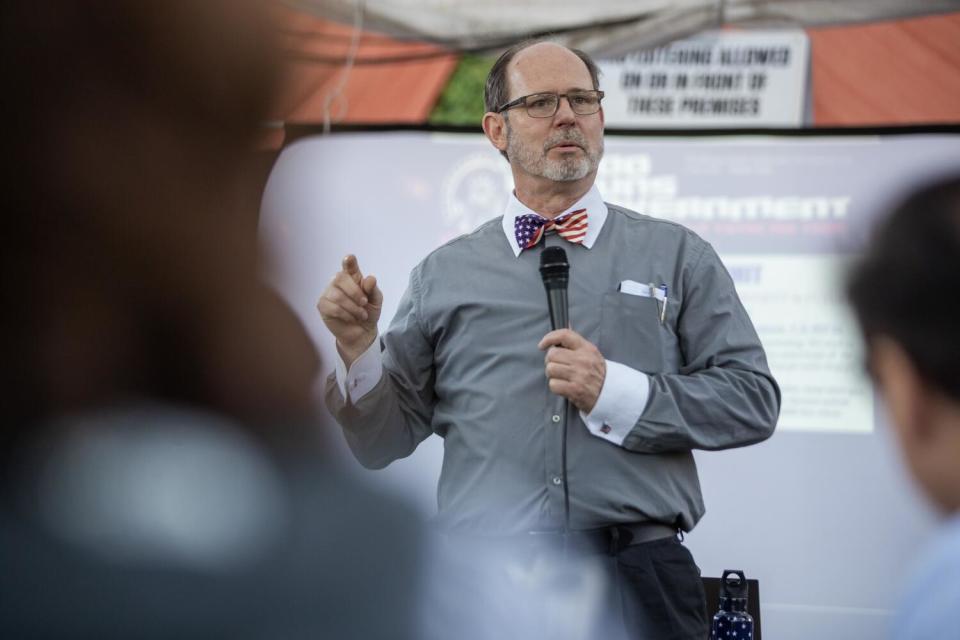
x=630, y=331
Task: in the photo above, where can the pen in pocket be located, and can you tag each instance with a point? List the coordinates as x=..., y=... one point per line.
x=660, y=295
x=663, y=307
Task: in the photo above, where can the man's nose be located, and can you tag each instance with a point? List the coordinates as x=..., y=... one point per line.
x=564, y=114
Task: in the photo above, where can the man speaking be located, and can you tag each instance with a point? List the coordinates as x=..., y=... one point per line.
x=579, y=436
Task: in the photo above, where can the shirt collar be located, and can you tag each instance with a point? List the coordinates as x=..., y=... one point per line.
x=592, y=201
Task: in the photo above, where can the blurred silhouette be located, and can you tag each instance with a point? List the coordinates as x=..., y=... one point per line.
x=161, y=472
x=906, y=294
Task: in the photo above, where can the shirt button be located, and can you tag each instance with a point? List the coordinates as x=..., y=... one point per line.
x=556, y=418
x=557, y=481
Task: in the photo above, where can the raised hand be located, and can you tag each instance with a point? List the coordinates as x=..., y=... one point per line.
x=350, y=308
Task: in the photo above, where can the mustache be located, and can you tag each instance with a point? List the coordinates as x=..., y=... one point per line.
x=569, y=137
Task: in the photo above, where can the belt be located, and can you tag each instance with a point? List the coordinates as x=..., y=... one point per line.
x=606, y=540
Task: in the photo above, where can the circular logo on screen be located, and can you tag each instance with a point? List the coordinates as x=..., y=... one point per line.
x=475, y=190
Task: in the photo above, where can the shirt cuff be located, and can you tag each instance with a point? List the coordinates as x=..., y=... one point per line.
x=622, y=400
x=364, y=373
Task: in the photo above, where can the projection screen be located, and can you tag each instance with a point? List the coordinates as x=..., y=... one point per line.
x=823, y=513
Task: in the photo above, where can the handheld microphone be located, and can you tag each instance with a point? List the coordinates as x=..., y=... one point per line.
x=555, y=271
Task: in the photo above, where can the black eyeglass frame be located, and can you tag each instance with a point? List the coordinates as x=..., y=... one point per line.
x=521, y=102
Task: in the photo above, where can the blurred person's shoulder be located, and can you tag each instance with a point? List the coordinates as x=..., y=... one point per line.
x=177, y=515
x=928, y=609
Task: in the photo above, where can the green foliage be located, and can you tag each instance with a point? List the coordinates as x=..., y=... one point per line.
x=461, y=102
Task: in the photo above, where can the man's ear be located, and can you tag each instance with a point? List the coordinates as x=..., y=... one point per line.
x=495, y=127
x=908, y=399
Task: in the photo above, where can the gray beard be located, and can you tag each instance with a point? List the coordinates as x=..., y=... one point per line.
x=536, y=162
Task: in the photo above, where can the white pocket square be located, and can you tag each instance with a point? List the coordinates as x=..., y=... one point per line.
x=644, y=290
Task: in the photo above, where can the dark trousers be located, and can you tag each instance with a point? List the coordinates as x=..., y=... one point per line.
x=533, y=588
x=661, y=594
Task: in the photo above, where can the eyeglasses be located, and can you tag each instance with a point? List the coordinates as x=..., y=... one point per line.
x=544, y=105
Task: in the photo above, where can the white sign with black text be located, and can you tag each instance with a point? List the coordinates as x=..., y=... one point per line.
x=718, y=79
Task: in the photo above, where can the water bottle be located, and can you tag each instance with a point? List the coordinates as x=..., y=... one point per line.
x=732, y=622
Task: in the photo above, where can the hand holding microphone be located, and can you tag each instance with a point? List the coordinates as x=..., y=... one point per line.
x=574, y=367
x=350, y=307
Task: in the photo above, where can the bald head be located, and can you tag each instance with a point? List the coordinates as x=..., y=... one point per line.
x=519, y=57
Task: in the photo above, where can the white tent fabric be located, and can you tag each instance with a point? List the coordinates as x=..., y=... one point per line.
x=604, y=28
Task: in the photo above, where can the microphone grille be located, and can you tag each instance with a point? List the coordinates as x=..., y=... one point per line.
x=554, y=268
x=554, y=257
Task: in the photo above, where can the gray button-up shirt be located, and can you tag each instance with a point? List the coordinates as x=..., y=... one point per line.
x=461, y=360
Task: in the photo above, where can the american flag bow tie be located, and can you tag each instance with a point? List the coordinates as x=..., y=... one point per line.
x=529, y=228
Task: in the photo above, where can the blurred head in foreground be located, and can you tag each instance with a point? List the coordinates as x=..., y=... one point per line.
x=129, y=260
x=156, y=394
x=906, y=295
